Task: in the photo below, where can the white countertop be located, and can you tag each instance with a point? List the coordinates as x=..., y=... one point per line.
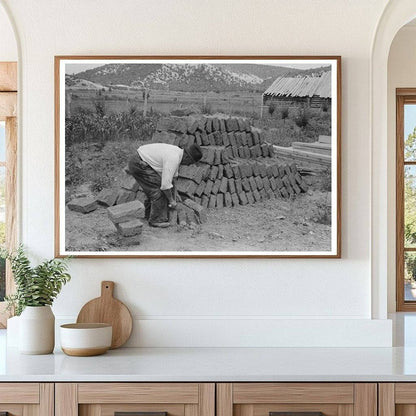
x=213, y=364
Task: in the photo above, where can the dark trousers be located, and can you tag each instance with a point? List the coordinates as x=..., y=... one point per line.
x=156, y=203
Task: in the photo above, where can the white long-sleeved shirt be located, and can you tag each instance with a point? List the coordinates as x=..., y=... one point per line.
x=164, y=159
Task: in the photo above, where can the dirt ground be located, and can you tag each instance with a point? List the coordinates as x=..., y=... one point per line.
x=272, y=225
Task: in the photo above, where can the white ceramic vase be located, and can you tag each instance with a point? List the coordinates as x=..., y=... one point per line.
x=37, y=330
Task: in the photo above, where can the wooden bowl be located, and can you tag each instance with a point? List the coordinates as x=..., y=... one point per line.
x=85, y=340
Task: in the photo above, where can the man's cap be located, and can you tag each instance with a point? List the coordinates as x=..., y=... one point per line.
x=194, y=151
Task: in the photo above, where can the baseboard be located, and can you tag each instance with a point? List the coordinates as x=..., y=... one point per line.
x=247, y=332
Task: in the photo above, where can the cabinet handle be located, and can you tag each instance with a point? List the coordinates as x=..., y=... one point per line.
x=296, y=414
x=137, y=414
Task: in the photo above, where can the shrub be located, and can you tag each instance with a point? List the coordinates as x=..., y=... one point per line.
x=323, y=213
x=302, y=118
x=92, y=127
x=99, y=107
x=206, y=108
x=284, y=113
x=326, y=183
x=271, y=108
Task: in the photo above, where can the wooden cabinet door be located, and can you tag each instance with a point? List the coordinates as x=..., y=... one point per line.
x=397, y=399
x=297, y=399
x=27, y=399
x=153, y=399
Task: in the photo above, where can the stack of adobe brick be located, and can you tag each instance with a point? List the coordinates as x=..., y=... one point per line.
x=238, y=166
x=126, y=217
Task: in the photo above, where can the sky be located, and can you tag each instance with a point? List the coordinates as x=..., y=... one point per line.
x=409, y=119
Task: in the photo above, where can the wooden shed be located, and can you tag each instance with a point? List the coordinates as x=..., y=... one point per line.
x=311, y=91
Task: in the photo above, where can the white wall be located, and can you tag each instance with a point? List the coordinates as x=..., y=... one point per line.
x=179, y=302
x=8, y=47
x=401, y=74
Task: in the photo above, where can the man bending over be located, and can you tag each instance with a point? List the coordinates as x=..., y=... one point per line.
x=155, y=166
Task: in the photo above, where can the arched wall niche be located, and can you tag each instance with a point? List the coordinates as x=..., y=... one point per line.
x=396, y=15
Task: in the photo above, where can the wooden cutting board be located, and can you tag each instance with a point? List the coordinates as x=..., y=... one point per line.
x=107, y=309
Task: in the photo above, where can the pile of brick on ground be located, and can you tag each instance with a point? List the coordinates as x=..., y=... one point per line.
x=238, y=167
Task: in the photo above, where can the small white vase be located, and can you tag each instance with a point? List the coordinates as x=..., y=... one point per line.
x=37, y=330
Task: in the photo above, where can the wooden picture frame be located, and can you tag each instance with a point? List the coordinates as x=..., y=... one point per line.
x=303, y=93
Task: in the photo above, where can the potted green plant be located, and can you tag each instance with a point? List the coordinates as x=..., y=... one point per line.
x=36, y=289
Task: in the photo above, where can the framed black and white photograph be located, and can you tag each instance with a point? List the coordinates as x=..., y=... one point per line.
x=197, y=156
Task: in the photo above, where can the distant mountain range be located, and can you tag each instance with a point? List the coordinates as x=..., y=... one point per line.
x=186, y=77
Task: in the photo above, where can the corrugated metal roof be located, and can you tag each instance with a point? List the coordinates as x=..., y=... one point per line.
x=301, y=86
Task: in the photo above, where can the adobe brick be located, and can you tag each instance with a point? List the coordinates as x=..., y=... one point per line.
x=259, y=182
x=231, y=185
x=273, y=184
x=227, y=200
x=218, y=138
x=204, y=138
x=236, y=201
x=198, y=209
x=213, y=173
x=246, y=184
x=220, y=201
x=264, y=150
x=231, y=138
x=262, y=169
x=224, y=185
x=250, y=198
x=216, y=187
x=200, y=190
x=84, y=205
x=130, y=183
x=198, y=138
x=212, y=201
x=256, y=195
x=266, y=184
x=173, y=217
x=222, y=125
x=220, y=171
x=186, y=186
x=225, y=139
x=124, y=196
x=107, y=197
x=204, y=201
x=130, y=228
x=208, y=125
x=239, y=186
x=126, y=212
x=253, y=184
x=242, y=198
x=250, y=141
x=228, y=171
x=211, y=138
x=215, y=124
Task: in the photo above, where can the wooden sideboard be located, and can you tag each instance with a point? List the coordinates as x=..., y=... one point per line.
x=208, y=399
x=27, y=399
